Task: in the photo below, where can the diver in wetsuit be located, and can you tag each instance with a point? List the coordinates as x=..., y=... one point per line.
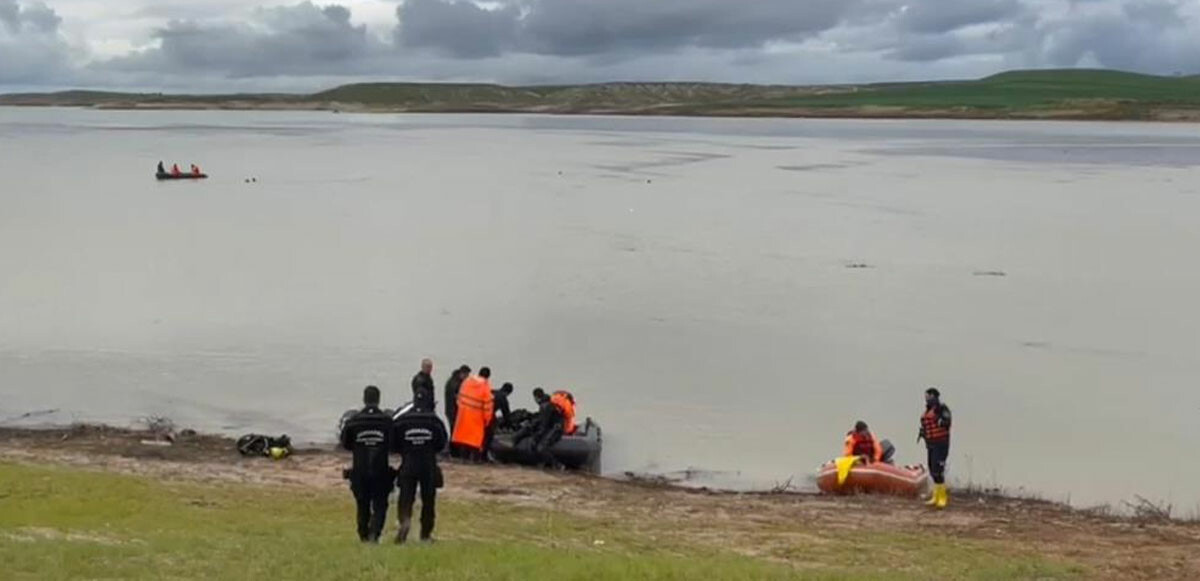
x=546, y=429
x=453, y=384
x=503, y=411
x=161, y=170
x=419, y=436
x=368, y=434
x=501, y=415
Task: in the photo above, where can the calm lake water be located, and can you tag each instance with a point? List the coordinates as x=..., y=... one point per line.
x=724, y=295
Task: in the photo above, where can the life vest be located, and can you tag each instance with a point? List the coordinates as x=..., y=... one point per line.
x=565, y=402
x=933, y=431
x=475, y=410
x=867, y=446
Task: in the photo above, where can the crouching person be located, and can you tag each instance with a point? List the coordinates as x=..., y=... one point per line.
x=367, y=433
x=419, y=435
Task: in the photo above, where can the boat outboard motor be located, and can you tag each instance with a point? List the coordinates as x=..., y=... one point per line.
x=888, y=451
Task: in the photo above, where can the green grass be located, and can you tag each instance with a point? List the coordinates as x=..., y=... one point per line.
x=1018, y=90
x=57, y=523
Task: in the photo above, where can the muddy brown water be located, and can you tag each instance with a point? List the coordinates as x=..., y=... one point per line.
x=726, y=297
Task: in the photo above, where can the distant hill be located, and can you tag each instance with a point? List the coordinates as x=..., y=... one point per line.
x=1036, y=94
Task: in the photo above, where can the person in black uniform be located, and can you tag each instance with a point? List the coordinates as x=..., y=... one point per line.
x=419, y=436
x=500, y=417
x=368, y=434
x=546, y=429
x=503, y=411
x=423, y=379
x=452, y=386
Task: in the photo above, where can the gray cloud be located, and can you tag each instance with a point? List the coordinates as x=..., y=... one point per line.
x=928, y=47
x=303, y=39
x=458, y=28
x=220, y=45
x=1152, y=36
x=31, y=48
x=606, y=27
x=942, y=16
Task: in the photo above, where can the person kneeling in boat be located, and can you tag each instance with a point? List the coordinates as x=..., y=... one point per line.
x=162, y=171
x=195, y=170
x=862, y=443
x=546, y=429
x=565, y=402
x=175, y=170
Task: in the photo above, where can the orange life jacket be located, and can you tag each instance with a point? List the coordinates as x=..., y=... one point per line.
x=565, y=402
x=933, y=431
x=867, y=445
x=475, y=411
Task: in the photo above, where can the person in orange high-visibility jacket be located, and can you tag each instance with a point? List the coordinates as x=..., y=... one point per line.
x=475, y=411
x=565, y=402
x=861, y=442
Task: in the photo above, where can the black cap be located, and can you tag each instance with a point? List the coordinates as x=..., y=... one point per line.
x=934, y=392
x=860, y=426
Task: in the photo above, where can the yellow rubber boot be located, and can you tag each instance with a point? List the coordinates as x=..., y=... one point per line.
x=943, y=496
x=933, y=496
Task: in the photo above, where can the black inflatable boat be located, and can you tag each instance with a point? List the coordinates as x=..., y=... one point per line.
x=182, y=176
x=579, y=451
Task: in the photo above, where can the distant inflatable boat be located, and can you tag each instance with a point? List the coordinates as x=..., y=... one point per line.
x=579, y=451
x=877, y=478
x=182, y=176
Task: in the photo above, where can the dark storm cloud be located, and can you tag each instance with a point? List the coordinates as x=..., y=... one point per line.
x=599, y=27
x=299, y=39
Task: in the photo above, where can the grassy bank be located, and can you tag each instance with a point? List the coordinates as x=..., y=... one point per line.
x=1042, y=94
x=60, y=523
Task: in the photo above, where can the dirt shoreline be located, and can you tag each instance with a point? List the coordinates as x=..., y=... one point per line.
x=764, y=525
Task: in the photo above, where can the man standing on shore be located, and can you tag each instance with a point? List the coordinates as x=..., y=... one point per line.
x=420, y=435
x=424, y=380
x=475, y=413
x=368, y=435
x=935, y=430
x=452, y=386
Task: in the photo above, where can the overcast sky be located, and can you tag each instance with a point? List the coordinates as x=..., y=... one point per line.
x=230, y=45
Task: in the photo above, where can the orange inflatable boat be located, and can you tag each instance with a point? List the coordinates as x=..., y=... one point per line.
x=877, y=478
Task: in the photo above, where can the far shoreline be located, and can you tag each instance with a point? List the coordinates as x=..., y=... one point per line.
x=1180, y=116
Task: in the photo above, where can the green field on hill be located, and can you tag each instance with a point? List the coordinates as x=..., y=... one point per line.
x=1018, y=90
x=1067, y=94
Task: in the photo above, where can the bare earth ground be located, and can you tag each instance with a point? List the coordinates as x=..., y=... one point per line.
x=765, y=525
